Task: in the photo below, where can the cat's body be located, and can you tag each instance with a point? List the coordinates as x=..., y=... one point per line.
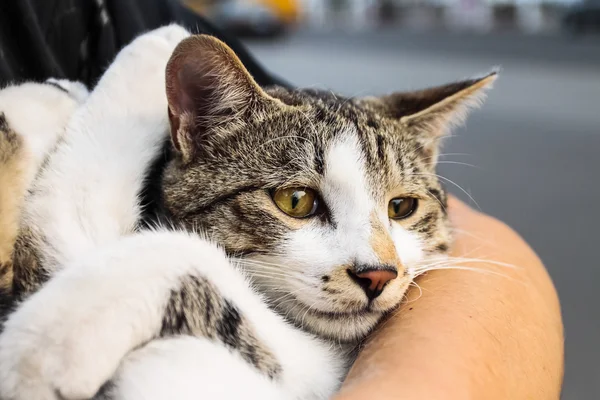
x=305, y=193
x=32, y=119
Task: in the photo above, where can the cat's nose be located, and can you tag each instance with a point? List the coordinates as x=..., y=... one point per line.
x=372, y=279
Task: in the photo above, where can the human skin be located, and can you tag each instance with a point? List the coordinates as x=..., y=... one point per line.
x=491, y=333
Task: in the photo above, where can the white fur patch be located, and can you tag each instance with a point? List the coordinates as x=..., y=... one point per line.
x=347, y=193
x=188, y=368
x=316, y=250
x=408, y=247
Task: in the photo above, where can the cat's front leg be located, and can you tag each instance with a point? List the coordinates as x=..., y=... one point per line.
x=69, y=338
x=88, y=193
x=190, y=368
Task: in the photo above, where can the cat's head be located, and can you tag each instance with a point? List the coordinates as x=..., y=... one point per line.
x=330, y=202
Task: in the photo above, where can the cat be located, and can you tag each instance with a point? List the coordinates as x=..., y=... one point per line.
x=32, y=119
x=295, y=222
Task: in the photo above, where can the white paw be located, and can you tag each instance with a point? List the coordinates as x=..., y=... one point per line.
x=188, y=368
x=135, y=82
x=42, y=361
x=173, y=33
x=153, y=48
x=64, y=342
x=68, y=339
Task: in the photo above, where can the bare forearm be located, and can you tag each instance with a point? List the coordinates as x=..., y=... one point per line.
x=493, y=331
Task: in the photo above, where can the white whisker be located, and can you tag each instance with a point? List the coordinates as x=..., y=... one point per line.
x=456, y=163
x=453, y=183
x=471, y=269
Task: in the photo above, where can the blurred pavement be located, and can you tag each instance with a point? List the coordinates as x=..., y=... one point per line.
x=535, y=144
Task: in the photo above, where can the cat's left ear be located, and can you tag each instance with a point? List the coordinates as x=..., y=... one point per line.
x=210, y=95
x=432, y=112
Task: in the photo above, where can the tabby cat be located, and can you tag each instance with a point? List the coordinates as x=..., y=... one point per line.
x=290, y=222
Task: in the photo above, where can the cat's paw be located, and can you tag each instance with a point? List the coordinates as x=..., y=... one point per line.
x=173, y=34
x=64, y=342
x=150, y=50
x=135, y=82
x=43, y=362
x=156, y=45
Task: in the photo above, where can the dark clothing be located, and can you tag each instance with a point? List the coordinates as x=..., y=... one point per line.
x=78, y=39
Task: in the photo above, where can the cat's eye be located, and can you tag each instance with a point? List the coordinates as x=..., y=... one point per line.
x=296, y=202
x=402, y=207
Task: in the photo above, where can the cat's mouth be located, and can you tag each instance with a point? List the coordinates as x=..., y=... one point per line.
x=343, y=314
x=346, y=325
x=342, y=326
x=369, y=309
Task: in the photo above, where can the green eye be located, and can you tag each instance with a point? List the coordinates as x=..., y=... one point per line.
x=402, y=207
x=296, y=202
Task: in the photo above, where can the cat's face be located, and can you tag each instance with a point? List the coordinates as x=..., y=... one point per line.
x=330, y=203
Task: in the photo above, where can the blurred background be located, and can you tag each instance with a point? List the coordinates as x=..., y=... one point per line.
x=534, y=146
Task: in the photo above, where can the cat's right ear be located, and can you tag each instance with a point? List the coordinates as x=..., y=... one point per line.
x=209, y=92
x=430, y=114
x=432, y=111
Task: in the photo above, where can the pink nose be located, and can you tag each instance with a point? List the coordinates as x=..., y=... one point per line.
x=378, y=278
x=373, y=280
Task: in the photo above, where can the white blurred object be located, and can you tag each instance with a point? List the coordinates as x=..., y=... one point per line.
x=469, y=15
x=530, y=18
x=355, y=15
x=361, y=14
x=315, y=13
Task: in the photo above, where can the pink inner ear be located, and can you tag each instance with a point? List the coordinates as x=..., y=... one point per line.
x=180, y=99
x=185, y=102
x=174, y=120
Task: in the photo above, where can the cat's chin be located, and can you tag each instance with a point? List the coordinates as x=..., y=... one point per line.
x=336, y=326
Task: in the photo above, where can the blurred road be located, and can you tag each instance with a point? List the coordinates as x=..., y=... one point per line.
x=535, y=145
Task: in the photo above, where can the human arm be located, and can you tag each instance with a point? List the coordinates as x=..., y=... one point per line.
x=493, y=333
